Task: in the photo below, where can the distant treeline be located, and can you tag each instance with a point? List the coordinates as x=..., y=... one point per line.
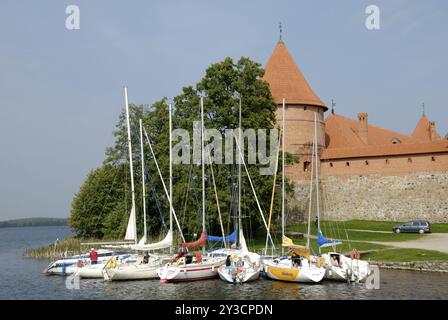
x=33, y=222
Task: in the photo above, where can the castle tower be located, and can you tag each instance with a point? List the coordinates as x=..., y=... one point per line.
x=287, y=81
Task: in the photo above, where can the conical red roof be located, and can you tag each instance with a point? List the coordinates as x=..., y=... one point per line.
x=287, y=81
x=422, y=131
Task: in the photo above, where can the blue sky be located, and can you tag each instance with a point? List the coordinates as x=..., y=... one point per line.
x=61, y=90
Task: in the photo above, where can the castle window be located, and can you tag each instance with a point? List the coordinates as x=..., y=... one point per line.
x=331, y=164
x=387, y=161
x=396, y=141
x=306, y=166
x=304, y=108
x=433, y=158
x=367, y=163
x=410, y=160
x=347, y=164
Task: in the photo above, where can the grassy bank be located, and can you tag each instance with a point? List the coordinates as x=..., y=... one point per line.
x=67, y=247
x=70, y=245
x=357, y=230
x=406, y=255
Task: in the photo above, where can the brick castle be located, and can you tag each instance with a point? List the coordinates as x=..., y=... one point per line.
x=367, y=172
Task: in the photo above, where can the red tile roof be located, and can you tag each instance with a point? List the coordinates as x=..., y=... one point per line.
x=342, y=141
x=287, y=81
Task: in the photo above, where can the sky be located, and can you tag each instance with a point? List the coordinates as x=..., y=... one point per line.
x=61, y=90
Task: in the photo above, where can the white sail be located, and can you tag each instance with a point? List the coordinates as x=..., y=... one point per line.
x=142, y=240
x=131, y=232
x=243, y=243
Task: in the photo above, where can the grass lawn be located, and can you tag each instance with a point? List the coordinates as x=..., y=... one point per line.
x=259, y=244
x=440, y=227
x=406, y=255
x=340, y=230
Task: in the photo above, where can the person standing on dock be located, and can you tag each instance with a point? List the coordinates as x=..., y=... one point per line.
x=93, y=256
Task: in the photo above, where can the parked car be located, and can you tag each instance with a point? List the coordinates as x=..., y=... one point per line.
x=420, y=226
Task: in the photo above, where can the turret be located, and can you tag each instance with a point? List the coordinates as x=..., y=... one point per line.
x=287, y=81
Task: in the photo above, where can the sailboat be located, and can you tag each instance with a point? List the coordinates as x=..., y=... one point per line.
x=338, y=266
x=145, y=267
x=193, y=266
x=241, y=264
x=97, y=270
x=301, y=266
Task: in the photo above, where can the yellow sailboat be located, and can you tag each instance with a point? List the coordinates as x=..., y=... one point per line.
x=301, y=266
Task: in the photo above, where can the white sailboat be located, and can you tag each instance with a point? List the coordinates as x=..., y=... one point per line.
x=197, y=266
x=301, y=266
x=338, y=266
x=145, y=267
x=70, y=265
x=96, y=270
x=241, y=265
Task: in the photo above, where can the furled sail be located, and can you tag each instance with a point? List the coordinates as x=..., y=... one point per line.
x=199, y=243
x=324, y=242
x=231, y=238
x=131, y=233
x=295, y=248
x=165, y=243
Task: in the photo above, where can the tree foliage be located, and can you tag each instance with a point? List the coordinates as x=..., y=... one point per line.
x=101, y=207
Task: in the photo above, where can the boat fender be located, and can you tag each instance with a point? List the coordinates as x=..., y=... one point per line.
x=349, y=273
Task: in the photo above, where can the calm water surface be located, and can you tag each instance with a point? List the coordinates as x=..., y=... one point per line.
x=22, y=278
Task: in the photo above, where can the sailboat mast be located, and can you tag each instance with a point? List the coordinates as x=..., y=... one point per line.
x=143, y=180
x=203, y=163
x=317, y=173
x=171, y=170
x=130, y=165
x=310, y=197
x=239, y=177
x=283, y=172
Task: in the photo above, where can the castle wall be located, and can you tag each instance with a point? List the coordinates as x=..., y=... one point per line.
x=421, y=195
x=387, y=165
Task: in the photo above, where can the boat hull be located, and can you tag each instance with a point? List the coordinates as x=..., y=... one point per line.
x=348, y=269
x=234, y=276
x=131, y=272
x=295, y=274
x=190, y=272
x=91, y=271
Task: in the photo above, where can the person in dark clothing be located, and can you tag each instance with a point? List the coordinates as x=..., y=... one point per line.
x=228, y=262
x=146, y=258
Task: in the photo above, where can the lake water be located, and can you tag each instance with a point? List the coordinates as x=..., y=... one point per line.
x=22, y=278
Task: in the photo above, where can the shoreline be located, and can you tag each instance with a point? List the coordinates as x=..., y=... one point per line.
x=422, y=266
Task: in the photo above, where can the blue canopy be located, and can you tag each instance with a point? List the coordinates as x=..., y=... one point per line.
x=231, y=238
x=324, y=242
